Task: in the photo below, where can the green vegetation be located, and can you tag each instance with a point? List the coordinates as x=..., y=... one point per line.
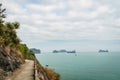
x=52, y=75
x=27, y=53
x=8, y=36
x=49, y=73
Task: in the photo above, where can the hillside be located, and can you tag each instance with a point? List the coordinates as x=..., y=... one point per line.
x=13, y=54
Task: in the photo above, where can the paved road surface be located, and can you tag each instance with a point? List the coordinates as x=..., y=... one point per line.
x=25, y=72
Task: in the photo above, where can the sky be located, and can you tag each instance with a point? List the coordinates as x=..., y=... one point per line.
x=82, y=25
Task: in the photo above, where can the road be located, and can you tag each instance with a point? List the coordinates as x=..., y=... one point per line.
x=25, y=72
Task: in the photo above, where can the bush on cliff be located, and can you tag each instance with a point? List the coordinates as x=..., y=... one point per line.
x=49, y=74
x=26, y=52
x=52, y=75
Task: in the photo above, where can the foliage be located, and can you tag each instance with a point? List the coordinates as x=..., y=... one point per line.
x=27, y=53
x=2, y=13
x=48, y=72
x=8, y=36
x=52, y=75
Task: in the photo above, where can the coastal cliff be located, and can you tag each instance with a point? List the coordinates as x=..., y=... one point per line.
x=12, y=60
x=13, y=54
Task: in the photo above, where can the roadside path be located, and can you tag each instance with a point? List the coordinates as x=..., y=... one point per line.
x=25, y=72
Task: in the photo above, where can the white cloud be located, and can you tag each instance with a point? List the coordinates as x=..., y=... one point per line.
x=37, y=7
x=80, y=4
x=104, y=9
x=116, y=22
x=14, y=8
x=44, y=7
x=65, y=19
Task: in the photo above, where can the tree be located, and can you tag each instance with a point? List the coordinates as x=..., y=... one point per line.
x=8, y=36
x=16, y=25
x=2, y=13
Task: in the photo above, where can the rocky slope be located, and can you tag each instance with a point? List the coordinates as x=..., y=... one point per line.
x=10, y=59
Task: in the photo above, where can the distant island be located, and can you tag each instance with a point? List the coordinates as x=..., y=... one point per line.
x=38, y=51
x=71, y=51
x=103, y=50
x=63, y=51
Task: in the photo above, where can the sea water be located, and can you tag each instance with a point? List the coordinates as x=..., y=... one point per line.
x=84, y=65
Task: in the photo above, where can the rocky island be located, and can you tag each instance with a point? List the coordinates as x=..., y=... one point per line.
x=37, y=51
x=63, y=51
x=102, y=51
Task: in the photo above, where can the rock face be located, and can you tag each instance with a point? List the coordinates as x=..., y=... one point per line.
x=10, y=59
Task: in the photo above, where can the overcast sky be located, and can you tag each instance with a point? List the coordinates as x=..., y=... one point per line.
x=56, y=24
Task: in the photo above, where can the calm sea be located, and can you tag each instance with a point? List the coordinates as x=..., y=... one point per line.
x=84, y=65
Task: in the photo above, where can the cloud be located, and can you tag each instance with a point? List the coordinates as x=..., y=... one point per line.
x=65, y=19
x=80, y=4
x=13, y=8
x=103, y=9
x=37, y=7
